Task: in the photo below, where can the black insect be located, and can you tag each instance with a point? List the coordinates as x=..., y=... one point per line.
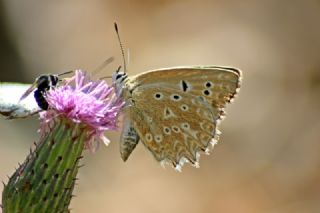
x=42, y=85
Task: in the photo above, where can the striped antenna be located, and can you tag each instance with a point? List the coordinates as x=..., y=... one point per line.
x=121, y=47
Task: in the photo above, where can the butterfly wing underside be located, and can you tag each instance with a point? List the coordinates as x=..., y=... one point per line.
x=175, y=112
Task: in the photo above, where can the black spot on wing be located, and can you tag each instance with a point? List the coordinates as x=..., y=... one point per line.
x=184, y=85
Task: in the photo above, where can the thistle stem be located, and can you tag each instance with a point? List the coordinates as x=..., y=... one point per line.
x=46, y=179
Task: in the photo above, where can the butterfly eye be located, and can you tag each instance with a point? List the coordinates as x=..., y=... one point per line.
x=118, y=76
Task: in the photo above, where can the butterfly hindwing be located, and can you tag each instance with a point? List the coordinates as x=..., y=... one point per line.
x=171, y=129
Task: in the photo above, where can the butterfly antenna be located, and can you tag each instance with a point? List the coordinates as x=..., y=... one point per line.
x=121, y=47
x=103, y=65
x=118, y=69
x=128, y=56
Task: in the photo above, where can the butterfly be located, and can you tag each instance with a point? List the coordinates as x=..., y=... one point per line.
x=175, y=111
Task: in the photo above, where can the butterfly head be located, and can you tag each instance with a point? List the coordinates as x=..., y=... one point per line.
x=118, y=79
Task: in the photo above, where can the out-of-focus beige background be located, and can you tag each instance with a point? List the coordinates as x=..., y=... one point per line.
x=268, y=158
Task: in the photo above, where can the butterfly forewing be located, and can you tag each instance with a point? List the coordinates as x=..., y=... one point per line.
x=175, y=111
x=219, y=84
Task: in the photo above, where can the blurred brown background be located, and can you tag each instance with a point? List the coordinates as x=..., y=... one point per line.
x=268, y=158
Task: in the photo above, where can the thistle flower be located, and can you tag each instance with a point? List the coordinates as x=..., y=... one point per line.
x=91, y=104
x=80, y=111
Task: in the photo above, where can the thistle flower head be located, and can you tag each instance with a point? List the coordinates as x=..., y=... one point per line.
x=85, y=102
